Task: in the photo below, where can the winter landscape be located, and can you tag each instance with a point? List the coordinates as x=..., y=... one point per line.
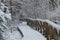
x=29, y=19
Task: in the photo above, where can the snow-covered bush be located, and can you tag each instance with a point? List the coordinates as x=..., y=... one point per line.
x=4, y=17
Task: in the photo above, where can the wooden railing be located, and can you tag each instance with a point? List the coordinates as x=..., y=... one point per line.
x=50, y=32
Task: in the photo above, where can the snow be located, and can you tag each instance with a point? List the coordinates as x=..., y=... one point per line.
x=29, y=33
x=1, y=13
x=3, y=17
x=15, y=35
x=2, y=6
x=4, y=26
x=8, y=16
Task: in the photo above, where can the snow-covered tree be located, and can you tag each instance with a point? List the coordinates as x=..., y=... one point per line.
x=5, y=16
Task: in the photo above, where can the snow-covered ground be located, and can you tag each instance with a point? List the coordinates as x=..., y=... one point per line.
x=29, y=33
x=15, y=35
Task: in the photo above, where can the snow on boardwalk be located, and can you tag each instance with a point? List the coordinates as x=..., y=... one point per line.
x=30, y=34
